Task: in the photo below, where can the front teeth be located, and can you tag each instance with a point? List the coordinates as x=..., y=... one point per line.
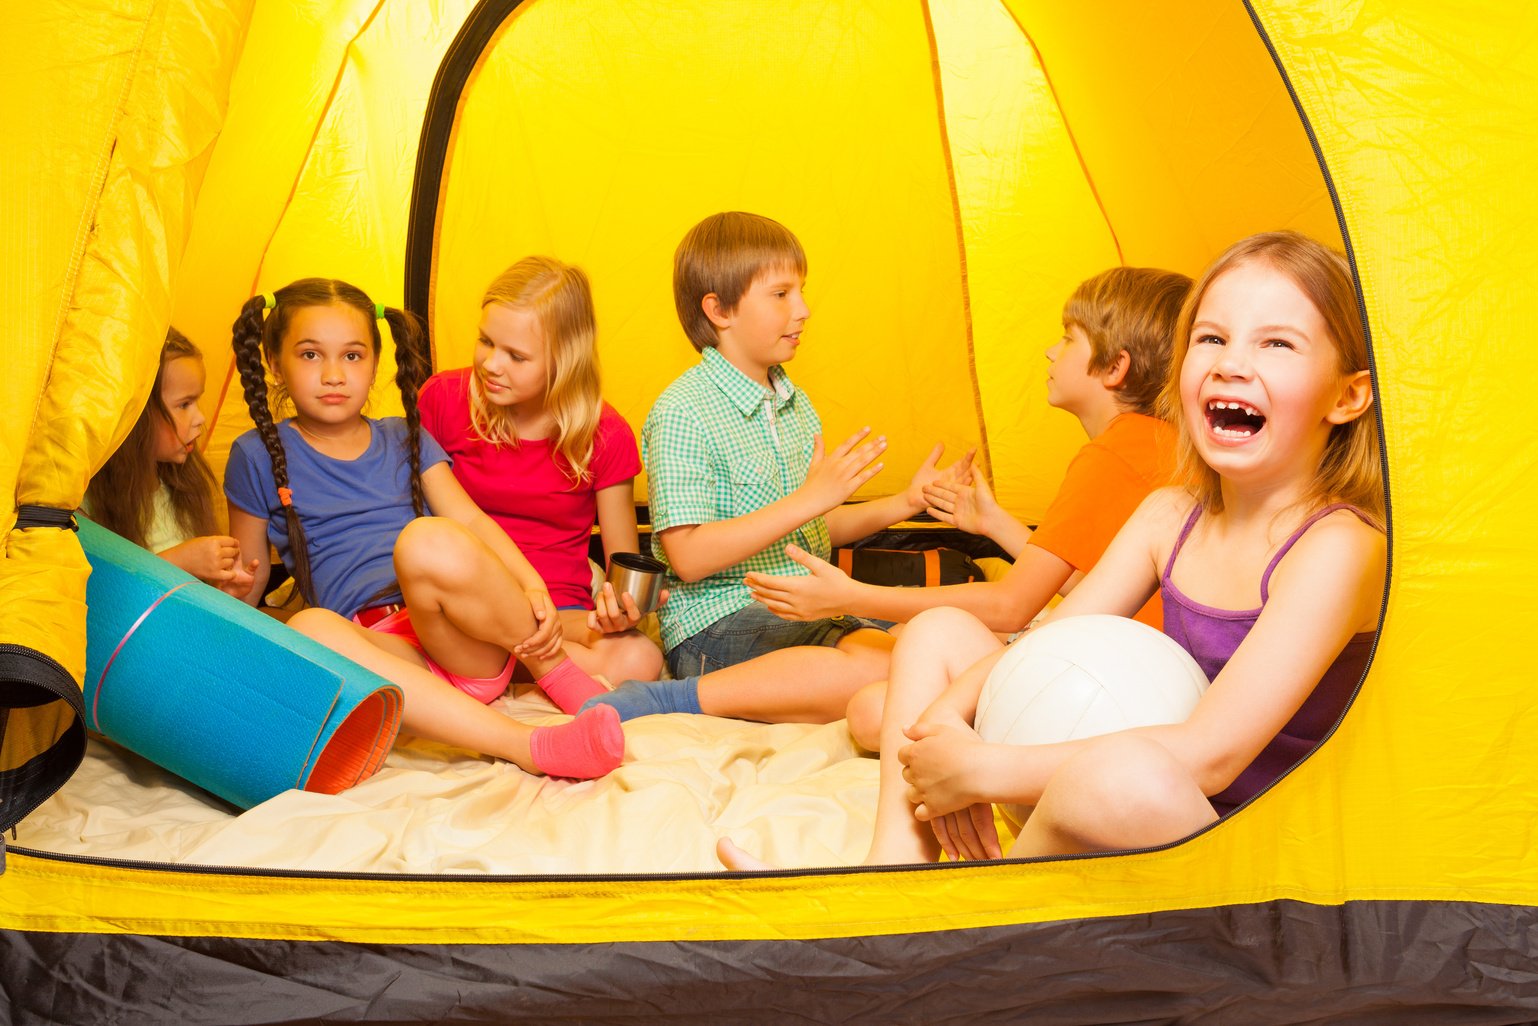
x=1219, y=404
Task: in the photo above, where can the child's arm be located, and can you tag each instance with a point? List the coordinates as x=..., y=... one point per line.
x=851, y=523
x=1005, y=605
x=616, y=518
x=695, y=551
x=250, y=535
x=617, y=527
x=971, y=507
x=213, y=559
x=1327, y=589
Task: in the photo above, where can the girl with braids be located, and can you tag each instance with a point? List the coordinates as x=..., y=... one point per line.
x=156, y=490
x=537, y=448
x=440, y=604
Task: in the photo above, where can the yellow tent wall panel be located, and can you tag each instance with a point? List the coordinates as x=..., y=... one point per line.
x=1391, y=873
x=568, y=141
x=583, y=151
x=108, y=131
x=312, y=173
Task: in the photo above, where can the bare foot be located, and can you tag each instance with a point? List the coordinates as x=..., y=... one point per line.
x=738, y=861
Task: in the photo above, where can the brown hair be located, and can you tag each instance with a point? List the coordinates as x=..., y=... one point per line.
x=256, y=336
x=1351, y=470
x=121, y=495
x=722, y=255
x=560, y=296
x=1131, y=310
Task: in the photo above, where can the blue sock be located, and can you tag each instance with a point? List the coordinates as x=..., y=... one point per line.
x=650, y=697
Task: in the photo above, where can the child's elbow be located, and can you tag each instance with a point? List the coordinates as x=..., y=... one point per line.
x=681, y=561
x=686, y=571
x=1004, y=610
x=1217, y=770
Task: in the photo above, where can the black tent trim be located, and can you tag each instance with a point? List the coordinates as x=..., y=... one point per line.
x=28, y=679
x=459, y=62
x=1388, y=962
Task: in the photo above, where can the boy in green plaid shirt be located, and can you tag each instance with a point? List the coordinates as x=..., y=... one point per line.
x=736, y=471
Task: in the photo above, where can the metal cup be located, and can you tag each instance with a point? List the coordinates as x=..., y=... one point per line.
x=638, y=575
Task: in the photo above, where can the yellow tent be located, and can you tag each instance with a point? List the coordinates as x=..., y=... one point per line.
x=954, y=167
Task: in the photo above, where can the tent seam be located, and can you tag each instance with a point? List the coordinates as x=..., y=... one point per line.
x=309, y=152
x=961, y=242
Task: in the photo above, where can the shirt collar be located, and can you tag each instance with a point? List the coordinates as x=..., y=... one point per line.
x=745, y=393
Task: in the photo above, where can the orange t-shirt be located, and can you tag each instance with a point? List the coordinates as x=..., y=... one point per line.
x=1104, y=484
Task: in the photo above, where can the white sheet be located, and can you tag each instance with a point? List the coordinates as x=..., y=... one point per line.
x=797, y=795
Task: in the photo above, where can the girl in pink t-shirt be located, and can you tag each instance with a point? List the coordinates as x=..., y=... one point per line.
x=537, y=448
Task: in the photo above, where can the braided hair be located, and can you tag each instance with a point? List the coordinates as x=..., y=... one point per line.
x=257, y=339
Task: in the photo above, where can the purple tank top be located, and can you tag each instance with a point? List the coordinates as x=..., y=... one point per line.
x=1213, y=635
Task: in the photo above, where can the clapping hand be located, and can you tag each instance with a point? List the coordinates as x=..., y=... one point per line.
x=820, y=593
x=929, y=476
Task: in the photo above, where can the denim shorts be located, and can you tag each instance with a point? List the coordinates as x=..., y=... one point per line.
x=752, y=631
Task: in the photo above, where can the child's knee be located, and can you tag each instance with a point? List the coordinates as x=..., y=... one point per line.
x=430, y=548
x=634, y=657
x=942, y=624
x=316, y=623
x=1123, y=789
x=864, y=714
x=869, y=653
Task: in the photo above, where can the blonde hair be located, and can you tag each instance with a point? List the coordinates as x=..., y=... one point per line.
x=1351, y=469
x=722, y=255
x=1132, y=310
x=560, y=297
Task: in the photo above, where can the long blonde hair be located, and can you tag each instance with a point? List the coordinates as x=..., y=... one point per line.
x=560, y=296
x=1351, y=469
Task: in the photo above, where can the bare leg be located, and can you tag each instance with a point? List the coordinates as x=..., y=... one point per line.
x=804, y=684
x=629, y=655
x=938, y=646
x=465, y=606
x=864, y=715
x=433, y=709
x=586, y=747
x=1123, y=791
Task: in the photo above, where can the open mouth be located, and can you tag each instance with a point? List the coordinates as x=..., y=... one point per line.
x=1229, y=418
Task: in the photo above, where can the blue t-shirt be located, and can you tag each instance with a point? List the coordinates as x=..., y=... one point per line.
x=351, y=509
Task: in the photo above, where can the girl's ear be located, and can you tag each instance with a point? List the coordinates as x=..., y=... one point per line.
x=1354, y=399
x=711, y=304
x=1114, y=376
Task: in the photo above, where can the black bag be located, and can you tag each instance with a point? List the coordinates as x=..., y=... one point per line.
x=906, y=569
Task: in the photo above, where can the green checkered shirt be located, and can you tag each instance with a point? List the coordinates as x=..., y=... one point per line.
x=719, y=445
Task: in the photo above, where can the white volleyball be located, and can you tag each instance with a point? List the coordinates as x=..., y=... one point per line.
x=1084, y=676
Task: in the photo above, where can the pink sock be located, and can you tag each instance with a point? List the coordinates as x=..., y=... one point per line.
x=587, y=747
x=568, y=686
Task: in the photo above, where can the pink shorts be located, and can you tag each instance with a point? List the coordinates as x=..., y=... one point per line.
x=482, y=689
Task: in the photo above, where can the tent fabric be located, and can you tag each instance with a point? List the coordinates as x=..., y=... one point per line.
x=1312, y=973
x=1410, y=825
x=118, y=122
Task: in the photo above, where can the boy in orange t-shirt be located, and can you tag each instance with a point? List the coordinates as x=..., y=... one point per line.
x=1107, y=370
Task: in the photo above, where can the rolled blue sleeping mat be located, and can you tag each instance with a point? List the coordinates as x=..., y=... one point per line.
x=226, y=697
